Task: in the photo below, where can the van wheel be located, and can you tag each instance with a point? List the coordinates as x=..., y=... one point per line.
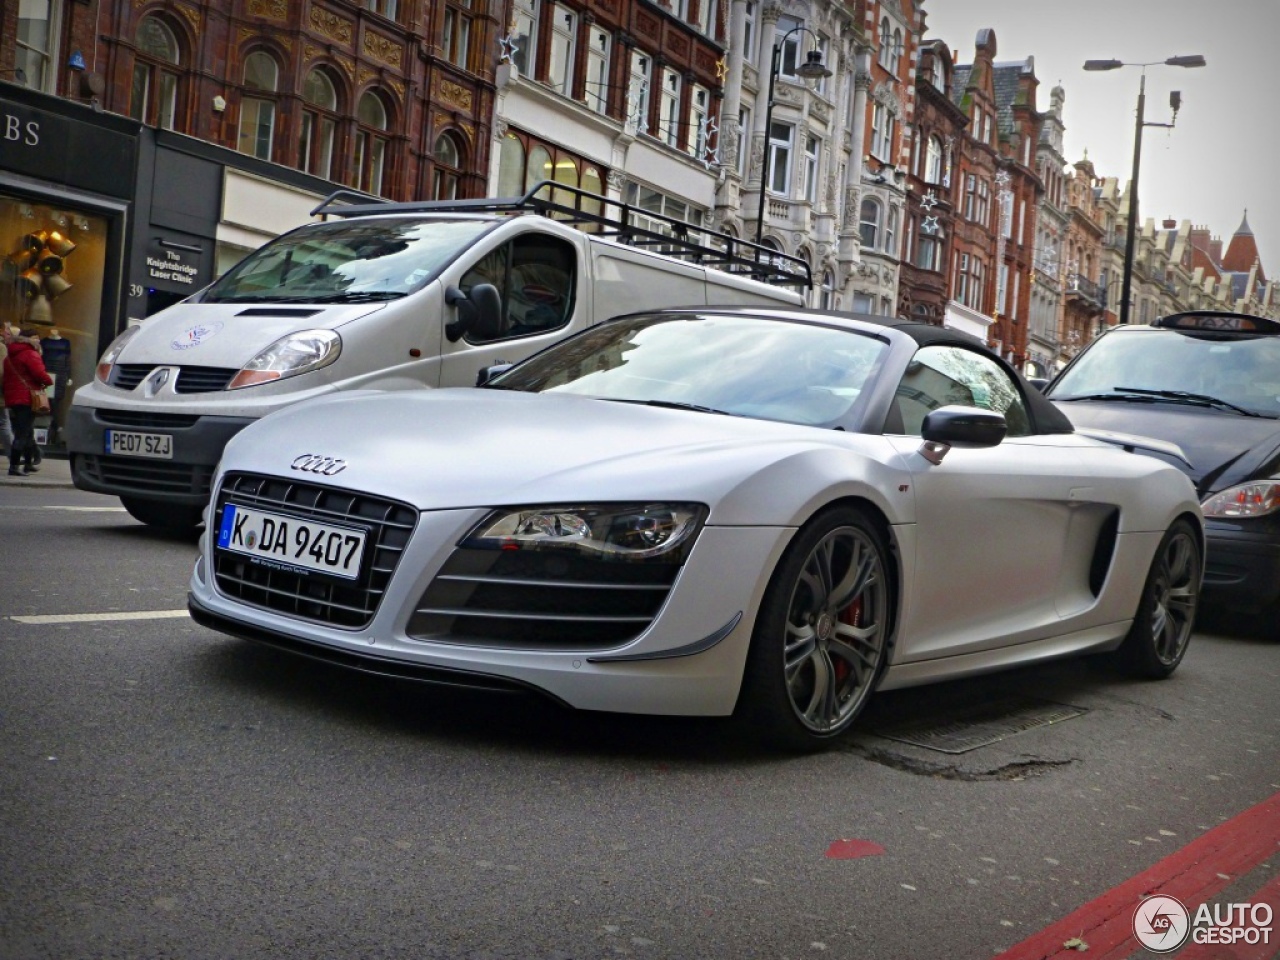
x=822, y=634
x=1166, y=614
x=167, y=516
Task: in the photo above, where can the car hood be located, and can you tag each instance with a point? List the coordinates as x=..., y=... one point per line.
x=1222, y=449
x=444, y=449
x=229, y=335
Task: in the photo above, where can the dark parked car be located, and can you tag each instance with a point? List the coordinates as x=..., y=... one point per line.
x=1208, y=385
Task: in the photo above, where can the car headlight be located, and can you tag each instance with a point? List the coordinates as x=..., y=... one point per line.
x=628, y=531
x=289, y=356
x=112, y=353
x=1255, y=499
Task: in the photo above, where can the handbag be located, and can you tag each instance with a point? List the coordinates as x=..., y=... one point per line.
x=40, y=405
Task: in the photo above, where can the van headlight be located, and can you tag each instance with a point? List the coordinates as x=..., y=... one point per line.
x=112, y=353
x=1255, y=499
x=289, y=356
x=629, y=531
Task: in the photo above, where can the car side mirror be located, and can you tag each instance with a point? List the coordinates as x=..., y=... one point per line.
x=479, y=312
x=1038, y=382
x=957, y=426
x=488, y=373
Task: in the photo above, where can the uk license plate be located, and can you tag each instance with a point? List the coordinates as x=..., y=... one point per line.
x=126, y=443
x=290, y=542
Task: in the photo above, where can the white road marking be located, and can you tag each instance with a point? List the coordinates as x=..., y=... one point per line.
x=99, y=617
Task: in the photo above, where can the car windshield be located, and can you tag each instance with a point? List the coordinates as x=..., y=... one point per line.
x=347, y=261
x=800, y=373
x=1153, y=365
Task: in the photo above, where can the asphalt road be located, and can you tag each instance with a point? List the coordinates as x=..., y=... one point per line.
x=169, y=792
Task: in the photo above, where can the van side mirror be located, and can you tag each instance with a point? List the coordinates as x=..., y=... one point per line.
x=488, y=373
x=1038, y=382
x=479, y=313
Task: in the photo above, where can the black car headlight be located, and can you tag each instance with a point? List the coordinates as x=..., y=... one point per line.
x=616, y=531
x=1256, y=499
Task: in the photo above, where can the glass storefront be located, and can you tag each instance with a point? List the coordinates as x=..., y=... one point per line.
x=51, y=279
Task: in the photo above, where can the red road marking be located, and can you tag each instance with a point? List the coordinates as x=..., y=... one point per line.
x=1269, y=894
x=852, y=849
x=1192, y=875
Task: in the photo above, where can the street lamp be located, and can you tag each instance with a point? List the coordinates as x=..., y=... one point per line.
x=812, y=69
x=1175, y=101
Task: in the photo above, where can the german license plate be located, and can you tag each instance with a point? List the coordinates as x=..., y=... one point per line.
x=126, y=443
x=290, y=542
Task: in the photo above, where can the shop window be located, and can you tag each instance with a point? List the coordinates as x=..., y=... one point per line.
x=564, y=42
x=645, y=199
x=541, y=167
x=511, y=167
x=524, y=36
x=565, y=171
x=55, y=263
x=370, y=157
x=869, y=226
x=525, y=160
x=457, y=33
x=319, y=122
x=153, y=98
x=669, y=115
x=596, y=91
x=34, y=55
x=447, y=156
x=258, y=114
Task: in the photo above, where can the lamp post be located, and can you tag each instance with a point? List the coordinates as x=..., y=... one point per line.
x=1175, y=101
x=812, y=69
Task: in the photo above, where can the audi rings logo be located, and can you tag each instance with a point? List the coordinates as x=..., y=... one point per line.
x=314, y=463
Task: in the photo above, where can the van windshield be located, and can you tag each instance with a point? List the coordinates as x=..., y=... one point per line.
x=347, y=262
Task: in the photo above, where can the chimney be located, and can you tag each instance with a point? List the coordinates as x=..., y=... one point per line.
x=1215, y=249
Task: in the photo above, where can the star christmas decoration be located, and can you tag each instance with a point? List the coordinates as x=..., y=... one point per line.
x=722, y=70
x=509, y=49
x=929, y=224
x=708, y=128
x=929, y=200
x=1003, y=178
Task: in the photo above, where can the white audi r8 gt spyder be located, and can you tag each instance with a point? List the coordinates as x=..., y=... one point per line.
x=708, y=511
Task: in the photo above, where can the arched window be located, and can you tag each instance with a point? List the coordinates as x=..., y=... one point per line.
x=891, y=233
x=885, y=40
x=869, y=228
x=319, y=121
x=154, y=95
x=258, y=114
x=511, y=167
x=369, y=161
x=447, y=156
x=540, y=166
x=895, y=52
x=933, y=161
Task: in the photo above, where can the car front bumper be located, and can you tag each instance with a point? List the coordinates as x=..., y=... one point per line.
x=1242, y=567
x=688, y=662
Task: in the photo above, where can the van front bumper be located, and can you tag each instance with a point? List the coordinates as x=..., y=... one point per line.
x=185, y=478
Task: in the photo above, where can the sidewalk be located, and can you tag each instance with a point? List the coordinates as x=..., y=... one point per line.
x=53, y=473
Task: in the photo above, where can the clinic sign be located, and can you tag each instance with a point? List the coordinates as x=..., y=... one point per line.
x=177, y=263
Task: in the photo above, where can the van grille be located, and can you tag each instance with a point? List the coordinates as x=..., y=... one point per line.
x=349, y=604
x=152, y=476
x=203, y=379
x=540, y=600
x=145, y=418
x=126, y=376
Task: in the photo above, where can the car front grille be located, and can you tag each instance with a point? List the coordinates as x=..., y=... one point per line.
x=203, y=379
x=340, y=603
x=540, y=600
x=127, y=376
x=145, y=418
x=149, y=476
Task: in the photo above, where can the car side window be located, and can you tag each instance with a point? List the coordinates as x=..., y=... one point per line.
x=941, y=375
x=536, y=276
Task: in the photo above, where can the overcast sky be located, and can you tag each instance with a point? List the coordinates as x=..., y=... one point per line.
x=1224, y=153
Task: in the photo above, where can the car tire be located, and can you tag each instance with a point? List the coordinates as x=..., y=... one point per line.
x=822, y=634
x=166, y=516
x=1166, y=615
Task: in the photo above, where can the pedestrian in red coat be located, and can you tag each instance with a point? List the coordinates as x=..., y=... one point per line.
x=23, y=372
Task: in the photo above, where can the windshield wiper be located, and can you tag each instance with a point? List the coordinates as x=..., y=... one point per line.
x=1183, y=396
x=672, y=405
x=354, y=296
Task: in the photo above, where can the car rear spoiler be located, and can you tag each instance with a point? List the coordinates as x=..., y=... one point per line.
x=1137, y=444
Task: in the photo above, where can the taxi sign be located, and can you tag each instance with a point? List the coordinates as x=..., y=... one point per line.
x=1213, y=320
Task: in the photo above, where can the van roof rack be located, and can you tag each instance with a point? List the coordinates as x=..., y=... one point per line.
x=608, y=218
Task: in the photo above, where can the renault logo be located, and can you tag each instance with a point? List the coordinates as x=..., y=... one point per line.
x=314, y=463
